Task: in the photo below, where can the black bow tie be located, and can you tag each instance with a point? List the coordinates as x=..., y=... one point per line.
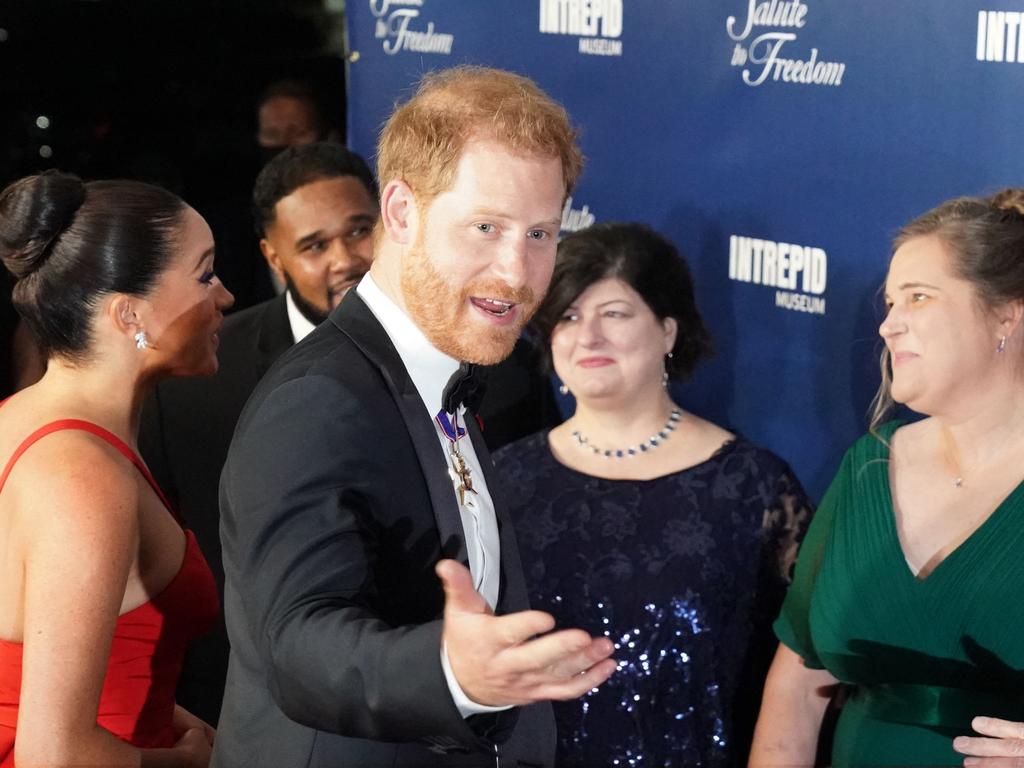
x=466, y=386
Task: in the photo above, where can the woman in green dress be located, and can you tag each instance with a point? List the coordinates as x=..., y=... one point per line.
x=908, y=583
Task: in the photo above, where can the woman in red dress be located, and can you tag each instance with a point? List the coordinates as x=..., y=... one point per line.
x=100, y=588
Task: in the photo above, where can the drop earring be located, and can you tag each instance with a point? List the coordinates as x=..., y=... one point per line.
x=1002, y=344
x=141, y=340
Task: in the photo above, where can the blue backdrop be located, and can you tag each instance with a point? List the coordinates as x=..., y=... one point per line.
x=779, y=144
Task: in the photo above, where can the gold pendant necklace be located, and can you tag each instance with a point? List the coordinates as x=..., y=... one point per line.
x=951, y=454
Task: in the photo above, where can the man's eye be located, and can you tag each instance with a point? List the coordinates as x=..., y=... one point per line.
x=486, y=228
x=538, y=234
x=317, y=247
x=358, y=233
x=918, y=297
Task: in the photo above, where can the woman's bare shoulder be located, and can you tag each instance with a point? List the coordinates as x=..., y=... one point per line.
x=70, y=479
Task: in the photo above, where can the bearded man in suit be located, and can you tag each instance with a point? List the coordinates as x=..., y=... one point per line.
x=357, y=471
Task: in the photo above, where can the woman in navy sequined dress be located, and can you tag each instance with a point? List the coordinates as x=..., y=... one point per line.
x=645, y=523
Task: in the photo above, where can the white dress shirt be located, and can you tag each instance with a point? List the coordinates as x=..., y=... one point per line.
x=430, y=368
x=301, y=327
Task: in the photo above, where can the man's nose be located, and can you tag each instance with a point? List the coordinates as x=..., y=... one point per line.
x=342, y=256
x=510, y=263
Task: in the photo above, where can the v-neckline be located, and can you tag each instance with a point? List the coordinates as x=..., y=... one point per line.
x=890, y=509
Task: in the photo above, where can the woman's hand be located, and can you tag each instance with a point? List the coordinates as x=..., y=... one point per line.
x=195, y=737
x=1001, y=744
x=195, y=748
x=184, y=721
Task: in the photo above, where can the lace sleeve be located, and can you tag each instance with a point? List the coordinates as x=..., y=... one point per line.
x=785, y=524
x=786, y=515
x=792, y=627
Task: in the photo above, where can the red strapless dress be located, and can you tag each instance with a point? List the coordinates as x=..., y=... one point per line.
x=137, y=701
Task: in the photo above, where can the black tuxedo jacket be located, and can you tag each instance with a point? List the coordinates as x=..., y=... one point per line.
x=184, y=436
x=335, y=506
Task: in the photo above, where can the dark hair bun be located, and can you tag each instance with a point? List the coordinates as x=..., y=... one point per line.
x=34, y=211
x=1011, y=199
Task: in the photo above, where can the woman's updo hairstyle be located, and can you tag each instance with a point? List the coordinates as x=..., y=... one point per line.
x=985, y=240
x=69, y=244
x=643, y=260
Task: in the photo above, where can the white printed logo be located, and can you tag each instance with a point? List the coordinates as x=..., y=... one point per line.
x=760, y=53
x=597, y=23
x=395, y=28
x=1001, y=36
x=575, y=219
x=799, y=271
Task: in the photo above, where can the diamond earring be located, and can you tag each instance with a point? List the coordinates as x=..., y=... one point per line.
x=141, y=340
x=563, y=389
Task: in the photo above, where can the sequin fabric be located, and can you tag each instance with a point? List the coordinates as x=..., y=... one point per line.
x=684, y=573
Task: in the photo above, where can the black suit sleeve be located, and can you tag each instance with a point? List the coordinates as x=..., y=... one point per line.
x=302, y=495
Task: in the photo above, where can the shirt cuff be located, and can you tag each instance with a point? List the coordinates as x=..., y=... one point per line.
x=463, y=703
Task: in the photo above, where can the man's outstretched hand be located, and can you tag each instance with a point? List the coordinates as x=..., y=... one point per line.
x=515, y=659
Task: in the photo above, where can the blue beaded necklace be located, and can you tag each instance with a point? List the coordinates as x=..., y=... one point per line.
x=624, y=453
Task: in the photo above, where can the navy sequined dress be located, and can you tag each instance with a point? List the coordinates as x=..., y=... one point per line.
x=685, y=573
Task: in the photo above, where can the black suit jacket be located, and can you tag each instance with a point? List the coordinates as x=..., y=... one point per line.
x=335, y=506
x=187, y=426
x=184, y=436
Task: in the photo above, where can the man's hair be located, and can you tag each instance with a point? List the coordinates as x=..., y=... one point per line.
x=301, y=165
x=422, y=141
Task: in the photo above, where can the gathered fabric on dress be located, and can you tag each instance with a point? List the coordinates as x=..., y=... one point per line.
x=684, y=573
x=137, y=700
x=921, y=657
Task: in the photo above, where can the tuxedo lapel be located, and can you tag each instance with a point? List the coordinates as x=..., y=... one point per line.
x=355, y=320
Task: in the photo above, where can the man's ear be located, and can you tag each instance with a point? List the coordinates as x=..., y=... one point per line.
x=273, y=259
x=399, y=214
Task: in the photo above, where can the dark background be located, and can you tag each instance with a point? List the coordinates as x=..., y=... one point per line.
x=162, y=91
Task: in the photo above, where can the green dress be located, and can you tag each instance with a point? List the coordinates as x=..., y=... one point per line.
x=921, y=656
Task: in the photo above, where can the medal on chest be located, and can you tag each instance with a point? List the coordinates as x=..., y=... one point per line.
x=459, y=469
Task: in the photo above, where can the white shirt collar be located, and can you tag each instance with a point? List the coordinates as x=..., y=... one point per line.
x=301, y=327
x=428, y=367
